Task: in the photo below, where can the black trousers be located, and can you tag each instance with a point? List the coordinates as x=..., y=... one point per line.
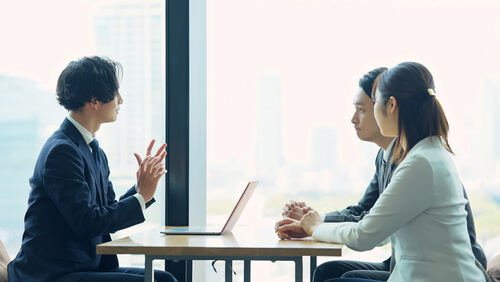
x=124, y=274
x=352, y=269
x=352, y=280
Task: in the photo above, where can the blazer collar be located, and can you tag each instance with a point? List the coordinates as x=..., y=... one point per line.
x=72, y=132
x=85, y=133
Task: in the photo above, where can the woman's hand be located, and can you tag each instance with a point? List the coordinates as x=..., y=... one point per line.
x=310, y=221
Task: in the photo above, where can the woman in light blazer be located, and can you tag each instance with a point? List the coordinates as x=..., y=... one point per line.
x=422, y=209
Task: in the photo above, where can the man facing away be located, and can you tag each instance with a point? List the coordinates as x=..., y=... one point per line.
x=367, y=130
x=72, y=206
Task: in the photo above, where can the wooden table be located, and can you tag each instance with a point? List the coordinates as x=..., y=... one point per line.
x=245, y=244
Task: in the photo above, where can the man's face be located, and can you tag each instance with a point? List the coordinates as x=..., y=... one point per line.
x=363, y=118
x=109, y=111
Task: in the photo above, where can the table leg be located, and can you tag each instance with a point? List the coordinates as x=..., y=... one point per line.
x=148, y=269
x=246, y=270
x=229, y=271
x=298, y=269
x=314, y=262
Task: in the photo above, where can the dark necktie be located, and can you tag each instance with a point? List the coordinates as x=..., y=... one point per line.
x=95, y=153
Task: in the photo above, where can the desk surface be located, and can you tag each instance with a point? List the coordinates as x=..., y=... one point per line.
x=251, y=242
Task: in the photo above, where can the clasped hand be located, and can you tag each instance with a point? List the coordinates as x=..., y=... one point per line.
x=151, y=169
x=299, y=221
x=295, y=210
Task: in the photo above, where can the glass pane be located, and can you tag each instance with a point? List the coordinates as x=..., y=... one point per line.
x=43, y=37
x=281, y=79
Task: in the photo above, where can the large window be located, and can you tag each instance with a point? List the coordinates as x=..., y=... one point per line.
x=39, y=39
x=281, y=77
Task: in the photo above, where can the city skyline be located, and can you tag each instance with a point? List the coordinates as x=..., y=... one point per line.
x=33, y=112
x=306, y=59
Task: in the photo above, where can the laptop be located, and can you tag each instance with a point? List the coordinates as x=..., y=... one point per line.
x=230, y=223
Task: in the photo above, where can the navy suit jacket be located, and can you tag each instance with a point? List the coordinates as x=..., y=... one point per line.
x=71, y=209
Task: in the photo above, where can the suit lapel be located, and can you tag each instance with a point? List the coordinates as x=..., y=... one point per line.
x=77, y=137
x=388, y=169
x=84, y=148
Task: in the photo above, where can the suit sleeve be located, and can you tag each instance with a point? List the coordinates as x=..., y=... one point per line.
x=67, y=184
x=110, y=194
x=476, y=248
x=357, y=212
x=408, y=195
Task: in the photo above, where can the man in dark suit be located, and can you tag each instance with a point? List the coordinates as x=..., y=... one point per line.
x=367, y=130
x=72, y=205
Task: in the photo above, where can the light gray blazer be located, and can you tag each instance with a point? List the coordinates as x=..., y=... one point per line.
x=422, y=211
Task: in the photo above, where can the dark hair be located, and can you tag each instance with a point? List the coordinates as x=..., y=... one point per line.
x=420, y=113
x=87, y=78
x=366, y=82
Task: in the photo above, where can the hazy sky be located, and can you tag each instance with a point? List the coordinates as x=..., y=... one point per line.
x=39, y=38
x=319, y=48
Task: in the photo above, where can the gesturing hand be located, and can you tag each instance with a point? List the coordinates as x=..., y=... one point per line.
x=151, y=169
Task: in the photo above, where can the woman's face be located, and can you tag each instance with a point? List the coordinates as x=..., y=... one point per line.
x=386, y=115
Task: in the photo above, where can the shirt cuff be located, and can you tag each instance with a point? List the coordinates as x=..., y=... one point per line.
x=140, y=198
x=329, y=232
x=323, y=216
x=321, y=233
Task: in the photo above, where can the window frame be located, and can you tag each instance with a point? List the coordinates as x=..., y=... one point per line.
x=185, y=120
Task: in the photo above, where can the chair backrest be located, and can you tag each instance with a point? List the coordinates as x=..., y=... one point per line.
x=494, y=274
x=493, y=269
x=4, y=260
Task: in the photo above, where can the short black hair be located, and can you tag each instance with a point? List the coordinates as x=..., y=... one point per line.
x=366, y=82
x=87, y=78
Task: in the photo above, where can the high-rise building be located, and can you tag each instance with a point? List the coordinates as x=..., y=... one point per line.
x=269, y=138
x=21, y=125
x=484, y=131
x=324, y=149
x=485, y=139
x=132, y=33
